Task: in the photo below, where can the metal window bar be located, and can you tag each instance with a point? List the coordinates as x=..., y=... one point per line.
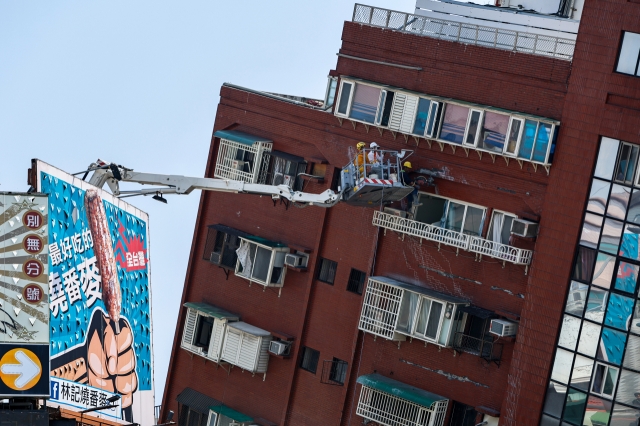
x=356, y=281
x=227, y=167
x=560, y=48
x=327, y=271
x=380, y=309
x=334, y=372
x=489, y=351
x=386, y=409
x=456, y=239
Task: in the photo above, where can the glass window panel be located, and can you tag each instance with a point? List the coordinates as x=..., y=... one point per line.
x=628, y=59
x=454, y=123
x=596, y=305
x=629, y=388
x=627, y=162
x=583, y=267
x=603, y=272
x=434, y=320
x=591, y=230
x=635, y=320
x=588, y=343
x=431, y=125
x=408, y=308
x=569, y=332
x=331, y=92
x=634, y=207
x=365, y=103
x=629, y=247
x=528, y=137
x=494, y=132
x=625, y=416
x=344, y=98
x=619, y=311
x=618, y=201
x=474, y=221
x=455, y=216
x=542, y=143
x=607, y=158
x=611, y=346
x=474, y=122
x=423, y=316
x=562, y=366
x=556, y=394
x=598, y=196
x=632, y=354
x=627, y=277
x=549, y=421
x=574, y=406
x=611, y=233
x=514, y=133
x=576, y=298
x=581, y=373
x=420, y=123
x=597, y=412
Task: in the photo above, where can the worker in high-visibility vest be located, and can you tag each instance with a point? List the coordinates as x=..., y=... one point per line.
x=359, y=160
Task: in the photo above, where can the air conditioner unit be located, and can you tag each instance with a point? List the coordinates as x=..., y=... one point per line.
x=524, y=228
x=278, y=347
x=278, y=179
x=237, y=165
x=288, y=180
x=395, y=212
x=216, y=258
x=503, y=328
x=296, y=260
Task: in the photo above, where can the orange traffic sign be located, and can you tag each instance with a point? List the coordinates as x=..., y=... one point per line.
x=20, y=369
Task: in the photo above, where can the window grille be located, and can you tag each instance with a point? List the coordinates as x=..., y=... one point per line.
x=389, y=410
x=334, y=372
x=380, y=309
x=239, y=161
x=309, y=359
x=356, y=281
x=327, y=271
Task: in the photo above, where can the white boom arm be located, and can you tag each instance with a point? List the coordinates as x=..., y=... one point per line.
x=111, y=174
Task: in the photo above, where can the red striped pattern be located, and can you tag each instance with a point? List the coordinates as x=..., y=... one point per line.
x=379, y=181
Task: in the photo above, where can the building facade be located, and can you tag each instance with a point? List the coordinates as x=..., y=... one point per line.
x=488, y=299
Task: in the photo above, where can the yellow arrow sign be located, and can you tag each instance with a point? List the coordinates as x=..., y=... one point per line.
x=20, y=369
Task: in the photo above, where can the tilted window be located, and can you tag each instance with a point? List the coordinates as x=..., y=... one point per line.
x=330, y=95
x=450, y=214
x=500, y=227
x=285, y=169
x=241, y=156
x=309, y=359
x=261, y=261
x=327, y=270
x=629, y=54
x=246, y=346
x=205, y=328
x=356, y=281
x=221, y=245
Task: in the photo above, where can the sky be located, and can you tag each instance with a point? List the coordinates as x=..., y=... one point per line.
x=137, y=83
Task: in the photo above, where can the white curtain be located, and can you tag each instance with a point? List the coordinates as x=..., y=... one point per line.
x=244, y=257
x=496, y=227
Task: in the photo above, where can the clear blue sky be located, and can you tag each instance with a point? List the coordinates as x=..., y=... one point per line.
x=138, y=83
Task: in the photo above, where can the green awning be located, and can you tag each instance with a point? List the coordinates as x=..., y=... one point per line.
x=240, y=137
x=264, y=241
x=211, y=310
x=400, y=390
x=231, y=413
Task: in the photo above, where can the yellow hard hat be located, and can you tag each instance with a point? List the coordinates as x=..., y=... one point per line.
x=407, y=164
x=361, y=145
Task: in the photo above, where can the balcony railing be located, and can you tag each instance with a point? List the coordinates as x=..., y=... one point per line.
x=498, y=38
x=488, y=351
x=452, y=238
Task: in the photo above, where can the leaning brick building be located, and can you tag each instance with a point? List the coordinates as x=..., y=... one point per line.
x=506, y=295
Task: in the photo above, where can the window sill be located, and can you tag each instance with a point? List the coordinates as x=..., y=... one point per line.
x=293, y=268
x=478, y=245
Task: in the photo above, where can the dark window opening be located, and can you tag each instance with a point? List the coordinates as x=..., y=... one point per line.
x=222, y=243
x=203, y=331
x=327, y=271
x=386, y=112
x=356, y=281
x=309, y=359
x=338, y=371
x=463, y=415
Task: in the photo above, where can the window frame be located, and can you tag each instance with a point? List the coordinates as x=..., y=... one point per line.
x=275, y=251
x=331, y=81
x=607, y=367
x=478, y=127
x=635, y=179
x=338, y=371
x=490, y=228
x=621, y=45
x=360, y=287
x=377, y=118
x=414, y=333
x=514, y=154
x=466, y=204
x=200, y=320
x=339, y=98
x=315, y=354
x=321, y=261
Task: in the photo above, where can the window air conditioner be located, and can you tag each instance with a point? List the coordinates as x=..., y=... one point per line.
x=296, y=260
x=278, y=179
x=237, y=165
x=216, y=258
x=395, y=212
x=278, y=347
x=524, y=228
x=288, y=180
x=503, y=328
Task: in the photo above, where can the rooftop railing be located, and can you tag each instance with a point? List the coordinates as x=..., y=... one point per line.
x=499, y=38
x=459, y=240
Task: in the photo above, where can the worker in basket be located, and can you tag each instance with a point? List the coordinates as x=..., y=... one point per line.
x=376, y=159
x=359, y=160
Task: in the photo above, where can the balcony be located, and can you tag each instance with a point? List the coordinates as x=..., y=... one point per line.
x=459, y=240
x=492, y=37
x=489, y=351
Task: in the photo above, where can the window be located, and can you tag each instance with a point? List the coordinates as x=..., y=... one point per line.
x=427, y=116
x=356, y=281
x=365, y=103
x=423, y=317
x=309, y=359
x=515, y=134
x=261, y=261
x=203, y=331
x=500, y=227
x=473, y=129
x=604, y=380
x=629, y=54
x=327, y=271
x=240, y=155
x=330, y=95
x=190, y=417
x=221, y=245
x=463, y=415
x=345, y=97
x=338, y=371
x=450, y=214
x=493, y=132
x=284, y=169
x=626, y=163
x=454, y=123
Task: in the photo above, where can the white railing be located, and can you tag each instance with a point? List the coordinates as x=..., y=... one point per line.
x=228, y=167
x=389, y=410
x=498, y=38
x=380, y=309
x=456, y=239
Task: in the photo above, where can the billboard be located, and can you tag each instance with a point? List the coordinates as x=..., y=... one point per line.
x=24, y=295
x=100, y=299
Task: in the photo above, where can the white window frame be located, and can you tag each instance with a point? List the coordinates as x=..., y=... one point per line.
x=551, y=137
x=490, y=228
x=380, y=112
x=474, y=144
x=330, y=81
x=379, y=108
x=430, y=132
x=464, y=218
x=227, y=150
x=513, y=154
x=190, y=346
x=620, y=52
x=414, y=329
x=604, y=377
x=277, y=256
x=339, y=98
x=434, y=108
